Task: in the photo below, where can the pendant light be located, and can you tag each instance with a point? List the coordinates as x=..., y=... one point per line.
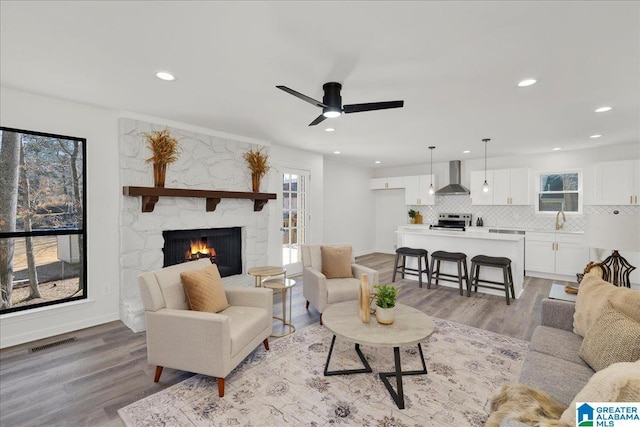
x=485, y=186
x=431, y=190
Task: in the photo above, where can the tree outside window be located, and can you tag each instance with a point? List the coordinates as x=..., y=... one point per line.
x=42, y=227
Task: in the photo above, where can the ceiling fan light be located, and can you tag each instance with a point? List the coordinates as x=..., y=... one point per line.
x=331, y=114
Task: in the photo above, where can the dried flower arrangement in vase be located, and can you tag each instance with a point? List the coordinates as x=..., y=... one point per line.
x=165, y=149
x=257, y=164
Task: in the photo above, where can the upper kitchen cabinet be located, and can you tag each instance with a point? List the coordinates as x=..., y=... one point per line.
x=416, y=189
x=386, y=183
x=478, y=197
x=506, y=187
x=618, y=183
x=511, y=187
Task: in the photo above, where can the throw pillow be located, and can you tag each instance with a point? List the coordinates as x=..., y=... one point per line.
x=619, y=382
x=336, y=261
x=613, y=338
x=204, y=289
x=592, y=299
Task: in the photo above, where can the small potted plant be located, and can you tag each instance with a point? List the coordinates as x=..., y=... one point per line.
x=385, y=303
x=165, y=149
x=257, y=164
x=412, y=215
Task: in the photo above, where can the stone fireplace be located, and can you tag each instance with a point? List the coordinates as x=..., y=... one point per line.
x=207, y=162
x=223, y=246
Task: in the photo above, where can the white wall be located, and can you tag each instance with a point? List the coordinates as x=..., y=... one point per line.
x=349, y=206
x=99, y=126
x=390, y=212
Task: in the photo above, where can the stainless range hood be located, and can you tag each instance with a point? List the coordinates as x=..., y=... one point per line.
x=454, y=187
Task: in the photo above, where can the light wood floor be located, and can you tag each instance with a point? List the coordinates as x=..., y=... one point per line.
x=84, y=382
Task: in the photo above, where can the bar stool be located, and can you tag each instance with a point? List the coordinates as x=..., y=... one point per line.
x=459, y=258
x=495, y=262
x=404, y=252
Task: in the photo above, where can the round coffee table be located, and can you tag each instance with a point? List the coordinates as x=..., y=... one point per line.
x=410, y=327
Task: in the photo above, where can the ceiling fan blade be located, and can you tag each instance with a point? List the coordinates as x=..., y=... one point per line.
x=318, y=119
x=301, y=96
x=370, y=106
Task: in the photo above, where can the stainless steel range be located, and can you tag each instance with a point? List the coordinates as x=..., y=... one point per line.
x=452, y=221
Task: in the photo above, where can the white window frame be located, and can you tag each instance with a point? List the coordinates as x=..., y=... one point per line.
x=537, y=191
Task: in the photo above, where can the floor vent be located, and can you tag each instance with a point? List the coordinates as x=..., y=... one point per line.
x=53, y=344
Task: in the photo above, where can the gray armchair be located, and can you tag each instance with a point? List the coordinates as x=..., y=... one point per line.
x=321, y=292
x=196, y=341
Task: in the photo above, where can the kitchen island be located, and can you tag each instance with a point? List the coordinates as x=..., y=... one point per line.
x=472, y=243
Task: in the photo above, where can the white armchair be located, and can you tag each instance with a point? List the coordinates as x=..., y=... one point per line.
x=196, y=341
x=322, y=292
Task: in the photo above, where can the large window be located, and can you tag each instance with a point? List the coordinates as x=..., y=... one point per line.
x=559, y=191
x=42, y=227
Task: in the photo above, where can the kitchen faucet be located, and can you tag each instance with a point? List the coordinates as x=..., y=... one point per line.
x=564, y=219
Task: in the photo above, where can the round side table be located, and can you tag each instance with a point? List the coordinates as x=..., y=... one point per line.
x=285, y=286
x=267, y=271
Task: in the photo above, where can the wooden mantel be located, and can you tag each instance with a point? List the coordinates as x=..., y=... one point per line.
x=150, y=196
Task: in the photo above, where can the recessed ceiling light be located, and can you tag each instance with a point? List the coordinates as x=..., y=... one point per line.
x=603, y=109
x=329, y=129
x=556, y=149
x=466, y=151
x=527, y=82
x=336, y=152
x=595, y=136
x=377, y=162
x=165, y=75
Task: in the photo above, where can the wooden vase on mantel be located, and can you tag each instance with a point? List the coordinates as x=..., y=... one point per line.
x=159, y=174
x=255, y=182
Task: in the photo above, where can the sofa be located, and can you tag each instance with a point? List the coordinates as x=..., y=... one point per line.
x=575, y=337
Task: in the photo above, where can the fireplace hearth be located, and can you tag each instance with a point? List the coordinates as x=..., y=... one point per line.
x=223, y=246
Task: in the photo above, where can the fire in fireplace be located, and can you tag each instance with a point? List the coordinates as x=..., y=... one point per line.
x=223, y=246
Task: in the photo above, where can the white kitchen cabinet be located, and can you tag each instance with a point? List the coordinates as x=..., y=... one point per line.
x=476, y=181
x=386, y=183
x=416, y=189
x=555, y=254
x=618, y=183
x=511, y=186
x=506, y=187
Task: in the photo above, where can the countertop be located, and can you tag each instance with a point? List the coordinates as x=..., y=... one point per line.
x=467, y=234
x=487, y=228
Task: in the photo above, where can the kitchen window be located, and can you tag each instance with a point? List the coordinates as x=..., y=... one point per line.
x=559, y=191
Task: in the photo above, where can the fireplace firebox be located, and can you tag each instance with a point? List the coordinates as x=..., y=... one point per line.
x=223, y=246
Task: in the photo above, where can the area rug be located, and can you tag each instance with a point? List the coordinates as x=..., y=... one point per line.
x=286, y=386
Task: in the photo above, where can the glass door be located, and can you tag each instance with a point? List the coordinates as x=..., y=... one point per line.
x=294, y=218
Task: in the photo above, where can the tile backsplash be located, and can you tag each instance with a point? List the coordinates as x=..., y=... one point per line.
x=513, y=216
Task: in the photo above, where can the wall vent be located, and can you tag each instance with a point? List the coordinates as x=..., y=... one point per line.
x=53, y=344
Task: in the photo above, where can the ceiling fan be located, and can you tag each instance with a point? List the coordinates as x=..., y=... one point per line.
x=332, y=103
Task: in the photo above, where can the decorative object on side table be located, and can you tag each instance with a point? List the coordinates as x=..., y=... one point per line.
x=257, y=164
x=615, y=232
x=364, y=298
x=165, y=149
x=385, y=303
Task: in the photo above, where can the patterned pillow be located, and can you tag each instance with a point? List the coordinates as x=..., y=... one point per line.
x=613, y=338
x=336, y=261
x=204, y=289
